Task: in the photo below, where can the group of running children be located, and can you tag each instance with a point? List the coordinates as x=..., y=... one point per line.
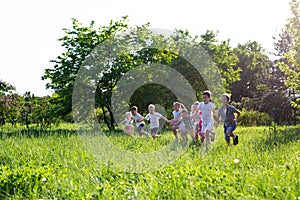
x=198, y=123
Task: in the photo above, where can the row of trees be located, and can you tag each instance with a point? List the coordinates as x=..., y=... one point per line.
x=27, y=109
x=255, y=81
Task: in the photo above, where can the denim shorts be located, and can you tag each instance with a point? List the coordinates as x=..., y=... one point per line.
x=229, y=128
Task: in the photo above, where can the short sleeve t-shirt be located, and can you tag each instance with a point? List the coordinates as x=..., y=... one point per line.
x=137, y=117
x=229, y=117
x=154, y=119
x=128, y=122
x=187, y=122
x=195, y=117
x=176, y=115
x=207, y=111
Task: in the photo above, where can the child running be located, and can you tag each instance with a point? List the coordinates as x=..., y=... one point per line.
x=177, y=117
x=186, y=125
x=139, y=120
x=207, y=109
x=200, y=133
x=195, y=119
x=128, y=123
x=228, y=118
x=154, y=120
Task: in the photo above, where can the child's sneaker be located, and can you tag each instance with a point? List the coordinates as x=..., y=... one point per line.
x=235, y=140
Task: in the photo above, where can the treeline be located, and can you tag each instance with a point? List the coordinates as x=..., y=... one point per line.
x=27, y=109
x=257, y=83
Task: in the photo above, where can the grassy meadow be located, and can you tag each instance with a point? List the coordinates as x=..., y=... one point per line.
x=55, y=164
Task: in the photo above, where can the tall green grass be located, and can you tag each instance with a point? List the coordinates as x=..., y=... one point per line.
x=55, y=164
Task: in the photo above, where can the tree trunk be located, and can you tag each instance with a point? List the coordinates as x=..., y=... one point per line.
x=112, y=121
x=105, y=118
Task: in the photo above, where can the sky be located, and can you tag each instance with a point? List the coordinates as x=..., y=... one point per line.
x=30, y=29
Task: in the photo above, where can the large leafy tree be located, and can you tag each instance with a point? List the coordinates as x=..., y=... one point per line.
x=78, y=41
x=220, y=53
x=81, y=43
x=255, y=66
x=290, y=64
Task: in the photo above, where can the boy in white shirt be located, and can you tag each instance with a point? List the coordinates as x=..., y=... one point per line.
x=207, y=109
x=154, y=120
x=139, y=121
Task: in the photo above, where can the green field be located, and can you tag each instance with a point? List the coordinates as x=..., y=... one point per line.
x=55, y=164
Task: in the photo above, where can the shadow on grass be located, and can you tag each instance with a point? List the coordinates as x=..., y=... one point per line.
x=278, y=137
x=35, y=132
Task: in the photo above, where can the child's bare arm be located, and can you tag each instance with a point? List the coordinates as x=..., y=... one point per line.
x=214, y=114
x=140, y=119
x=217, y=118
x=123, y=122
x=164, y=118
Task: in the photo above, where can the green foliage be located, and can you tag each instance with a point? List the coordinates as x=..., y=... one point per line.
x=255, y=118
x=6, y=91
x=58, y=166
x=275, y=104
x=28, y=109
x=255, y=67
x=80, y=41
x=291, y=63
x=6, y=87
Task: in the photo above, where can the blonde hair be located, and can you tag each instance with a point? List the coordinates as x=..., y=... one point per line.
x=128, y=114
x=184, y=111
x=182, y=107
x=151, y=106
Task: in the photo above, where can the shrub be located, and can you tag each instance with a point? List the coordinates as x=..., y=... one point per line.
x=255, y=118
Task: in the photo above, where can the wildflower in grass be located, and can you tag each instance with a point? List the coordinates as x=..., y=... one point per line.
x=44, y=180
x=236, y=161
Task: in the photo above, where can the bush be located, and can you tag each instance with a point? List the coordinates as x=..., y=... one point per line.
x=255, y=118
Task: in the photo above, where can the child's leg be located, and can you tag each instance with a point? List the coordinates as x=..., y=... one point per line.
x=229, y=133
x=202, y=139
x=202, y=132
x=174, y=129
x=142, y=131
x=227, y=138
x=132, y=130
x=230, y=130
x=196, y=132
x=128, y=130
x=207, y=136
x=206, y=132
x=192, y=133
x=154, y=132
x=183, y=135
